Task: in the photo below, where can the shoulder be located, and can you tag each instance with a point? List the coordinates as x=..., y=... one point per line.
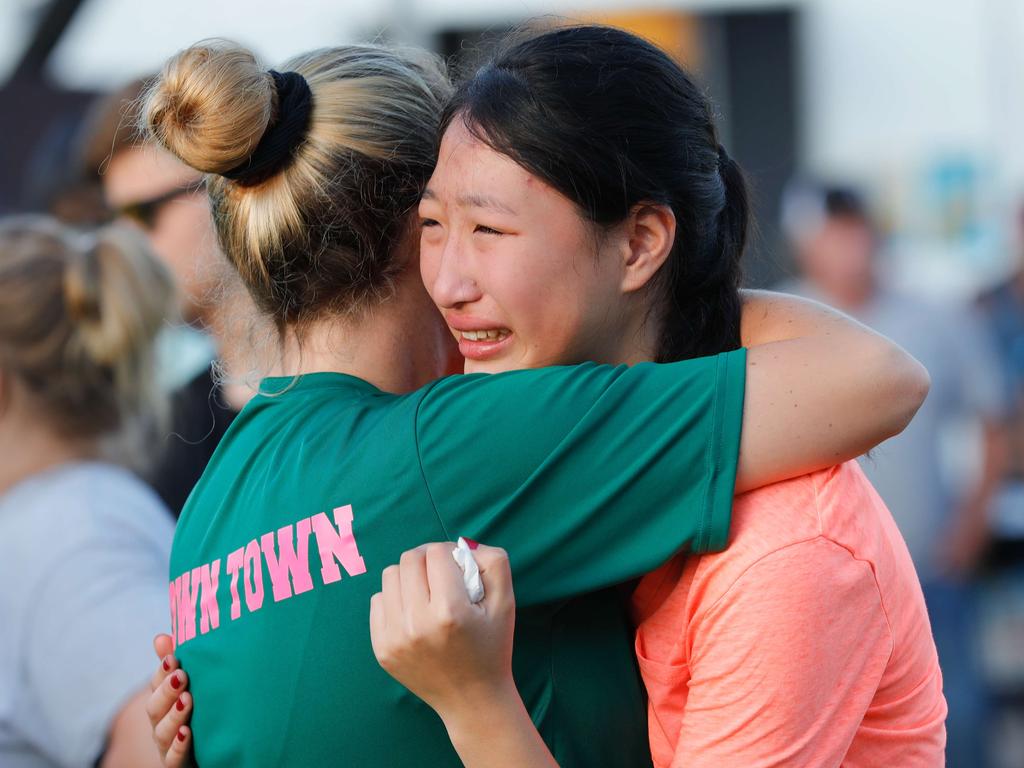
x=772, y=517
x=796, y=521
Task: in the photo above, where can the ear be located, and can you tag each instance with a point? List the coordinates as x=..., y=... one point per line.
x=651, y=233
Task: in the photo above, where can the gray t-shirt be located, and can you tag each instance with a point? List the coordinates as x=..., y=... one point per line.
x=84, y=554
x=966, y=384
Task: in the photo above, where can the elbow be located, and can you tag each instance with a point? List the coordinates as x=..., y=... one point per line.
x=910, y=385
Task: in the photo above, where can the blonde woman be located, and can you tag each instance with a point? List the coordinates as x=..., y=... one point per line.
x=83, y=543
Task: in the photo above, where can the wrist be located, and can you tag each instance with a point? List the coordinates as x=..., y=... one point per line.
x=481, y=709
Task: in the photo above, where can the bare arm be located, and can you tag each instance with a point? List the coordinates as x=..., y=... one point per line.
x=498, y=733
x=821, y=388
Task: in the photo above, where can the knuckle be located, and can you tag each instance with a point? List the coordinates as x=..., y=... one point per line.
x=438, y=549
x=386, y=658
x=449, y=619
x=408, y=557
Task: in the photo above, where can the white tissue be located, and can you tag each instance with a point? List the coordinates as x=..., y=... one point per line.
x=470, y=570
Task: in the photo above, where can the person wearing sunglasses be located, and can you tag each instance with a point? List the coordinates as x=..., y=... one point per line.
x=166, y=200
x=146, y=213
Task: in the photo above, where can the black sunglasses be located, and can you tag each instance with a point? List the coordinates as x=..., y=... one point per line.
x=144, y=212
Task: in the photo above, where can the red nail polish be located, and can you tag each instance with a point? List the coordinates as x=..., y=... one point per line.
x=175, y=681
x=470, y=543
x=181, y=735
x=179, y=705
x=167, y=665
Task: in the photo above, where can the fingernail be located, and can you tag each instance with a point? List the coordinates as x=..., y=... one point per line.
x=167, y=665
x=175, y=681
x=181, y=735
x=470, y=543
x=179, y=705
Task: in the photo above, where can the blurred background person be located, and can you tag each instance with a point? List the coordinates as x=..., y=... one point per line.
x=145, y=186
x=84, y=545
x=947, y=529
x=1002, y=309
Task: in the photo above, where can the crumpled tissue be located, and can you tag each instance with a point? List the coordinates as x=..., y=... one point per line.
x=470, y=570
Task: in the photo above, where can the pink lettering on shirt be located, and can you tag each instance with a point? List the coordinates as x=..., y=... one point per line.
x=234, y=566
x=190, y=598
x=181, y=584
x=253, y=577
x=288, y=563
x=173, y=594
x=286, y=553
x=209, y=576
x=337, y=544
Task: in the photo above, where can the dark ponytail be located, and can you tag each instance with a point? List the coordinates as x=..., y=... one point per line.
x=610, y=121
x=702, y=305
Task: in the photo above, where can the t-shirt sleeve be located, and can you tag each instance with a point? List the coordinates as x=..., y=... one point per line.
x=588, y=475
x=784, y=665
x=89, y=641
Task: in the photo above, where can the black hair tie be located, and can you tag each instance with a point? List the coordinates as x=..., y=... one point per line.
x=279, y=142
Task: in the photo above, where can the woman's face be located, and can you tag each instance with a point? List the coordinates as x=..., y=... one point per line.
x=521, y=278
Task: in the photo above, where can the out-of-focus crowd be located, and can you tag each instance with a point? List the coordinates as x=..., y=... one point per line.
x=78, y=292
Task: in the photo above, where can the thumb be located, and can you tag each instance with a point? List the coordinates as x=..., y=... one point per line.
x=163, y=644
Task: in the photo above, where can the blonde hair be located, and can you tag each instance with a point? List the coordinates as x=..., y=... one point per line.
x=78, y=316
x=320, y=235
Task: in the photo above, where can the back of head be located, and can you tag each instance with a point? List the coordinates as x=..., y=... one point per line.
x=313, y=172
x=78, y=316
x=610, y=121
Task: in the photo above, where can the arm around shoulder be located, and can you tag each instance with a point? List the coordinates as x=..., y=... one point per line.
x=821, y=389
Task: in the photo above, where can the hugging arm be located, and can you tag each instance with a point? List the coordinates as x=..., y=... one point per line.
x=821, y=389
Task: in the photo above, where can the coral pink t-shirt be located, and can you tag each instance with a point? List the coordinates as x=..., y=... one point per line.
x=805, y=643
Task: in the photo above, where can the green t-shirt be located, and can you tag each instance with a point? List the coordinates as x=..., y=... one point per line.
x=589, y=476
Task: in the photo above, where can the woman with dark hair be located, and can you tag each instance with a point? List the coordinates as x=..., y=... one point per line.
x=807, y=641
x=552, y=463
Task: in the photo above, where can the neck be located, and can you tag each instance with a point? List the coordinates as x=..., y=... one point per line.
x=639, y=343
x=38, y=451
x=397, y=346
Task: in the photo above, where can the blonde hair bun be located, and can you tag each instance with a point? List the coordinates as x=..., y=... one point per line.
x=328, y=230
x=211, y=105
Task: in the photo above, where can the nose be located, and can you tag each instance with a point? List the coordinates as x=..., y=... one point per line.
x=451, y=281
